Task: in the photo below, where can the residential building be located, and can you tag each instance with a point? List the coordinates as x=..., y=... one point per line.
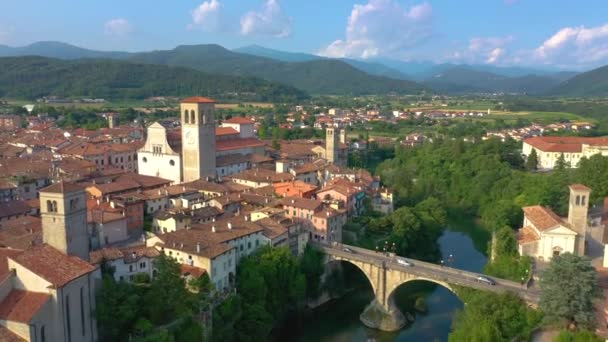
x=549, y=149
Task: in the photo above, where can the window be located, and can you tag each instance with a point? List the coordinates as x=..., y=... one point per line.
x=192, y=117
x=241, y=248
x=142, y=265
x=130, y=268
x=186, y=118
x=249, y=245
x=172, y=162
x=82, y=311
x=67, y=316
x=583, y=200
x=42, y=334
x=257, y=243
x=144, y=159
x=578, y=200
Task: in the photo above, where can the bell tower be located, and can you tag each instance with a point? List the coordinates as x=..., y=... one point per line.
x=577, y=214
x=198, y=138
x=63, y=211
x=332, y=143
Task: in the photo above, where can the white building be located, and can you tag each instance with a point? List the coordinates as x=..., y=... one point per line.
x=549, y=149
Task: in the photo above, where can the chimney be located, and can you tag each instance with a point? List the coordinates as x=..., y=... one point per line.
x=213, y=219
x=198, y=247
x=293, y=201
x=213, y=227
x=229, y=225
x=246, y=218
x=133, y=255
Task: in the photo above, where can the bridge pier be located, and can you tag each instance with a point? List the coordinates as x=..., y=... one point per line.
x=377, y=316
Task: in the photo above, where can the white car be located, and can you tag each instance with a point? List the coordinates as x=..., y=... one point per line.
x=404, y=262
x=348, y=250
x=487, y=280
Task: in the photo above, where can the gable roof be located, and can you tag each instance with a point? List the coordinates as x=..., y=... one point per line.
x=62, y=188
x=52, y=265
x=543, y=218
x=21, y=306
x=198, y=99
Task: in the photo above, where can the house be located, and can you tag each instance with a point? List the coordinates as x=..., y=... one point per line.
x=544, y=234
x=549, y=149
x=126, y=262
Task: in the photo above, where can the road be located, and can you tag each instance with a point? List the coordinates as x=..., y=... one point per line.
x=432, y=271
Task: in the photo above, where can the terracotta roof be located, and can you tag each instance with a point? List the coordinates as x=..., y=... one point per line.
x=21, y=306
x=262, y=175
x=52, y=265
x=239, y=120
x=197, y=99
x=193, y=271
x=8, y=336
x=303, y=203
x=63, y=187
x=543, y=218
x=13, y=208
x=225, y=131
x=22, y=233
x=233, y=144
x=579, y=187
x=564, y=144
x=129, y=254
x=527, y=234
x=5, y=253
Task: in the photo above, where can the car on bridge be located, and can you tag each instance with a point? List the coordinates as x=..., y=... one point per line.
x=348, y=250
x=404, y=262
x=486, y=280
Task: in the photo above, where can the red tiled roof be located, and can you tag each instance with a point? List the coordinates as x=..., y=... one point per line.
x=8, y=336
x=198, y=99
x=193, y=271
x=226, y=131
x=5, y=253
x=226, y=145
x=21, y=306
x=527, y=234
x=579, y=187
x=564, y=144
x=62, y=187
x=238, y=120
x=52, y=265
x=543, y=218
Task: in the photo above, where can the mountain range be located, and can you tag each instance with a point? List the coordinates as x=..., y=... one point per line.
x=341, y=76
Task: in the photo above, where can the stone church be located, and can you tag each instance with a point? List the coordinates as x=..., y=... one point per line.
x=196, y=148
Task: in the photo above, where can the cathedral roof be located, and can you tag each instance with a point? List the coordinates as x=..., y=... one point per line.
x=198, y=99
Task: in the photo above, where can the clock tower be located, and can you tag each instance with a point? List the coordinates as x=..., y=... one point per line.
x=198, y=138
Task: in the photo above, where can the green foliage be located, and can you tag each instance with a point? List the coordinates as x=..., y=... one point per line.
x=311, y=265
x=493, y=317
x=167, y=297
x=117, y=309
x=590, y=83
x=532, y=161
x=33, y=77
x=569, y=288
x=315, y=77
x=269, y=284
x=577, y=336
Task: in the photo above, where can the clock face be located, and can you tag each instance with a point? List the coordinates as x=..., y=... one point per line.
x=190, y=138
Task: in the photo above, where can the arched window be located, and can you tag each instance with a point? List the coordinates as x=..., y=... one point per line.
x=54, y=206
x=49, y=206
x=578, y=200
x=192, y=117
x=583, y=200
x=186, y=116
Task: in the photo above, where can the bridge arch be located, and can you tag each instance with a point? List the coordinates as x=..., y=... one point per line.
x=370, y=273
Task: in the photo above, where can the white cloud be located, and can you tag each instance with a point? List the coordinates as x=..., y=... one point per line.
x=575, y=46
x=117, y=27
x=488, y=50
x=382, y=28
x=207, y=16
x=269, y=20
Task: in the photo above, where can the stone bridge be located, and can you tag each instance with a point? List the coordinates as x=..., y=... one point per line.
x=385, y=275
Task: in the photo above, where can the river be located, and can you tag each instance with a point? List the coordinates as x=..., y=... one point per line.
x=338, y=320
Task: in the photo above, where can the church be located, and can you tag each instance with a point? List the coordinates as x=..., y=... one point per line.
x=197, y=149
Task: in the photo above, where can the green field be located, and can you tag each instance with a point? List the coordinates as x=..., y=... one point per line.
x=541, y=117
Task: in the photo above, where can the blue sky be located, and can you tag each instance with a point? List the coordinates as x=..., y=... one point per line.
x=557, y=33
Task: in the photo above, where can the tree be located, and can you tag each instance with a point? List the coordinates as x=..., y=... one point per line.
x=117, y=309
x=311, y=265
x=532, y=161
x=569, y=288
x=560, y=163
x=167, y=297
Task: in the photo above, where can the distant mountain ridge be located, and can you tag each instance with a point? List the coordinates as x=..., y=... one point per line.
x=31, y=77
x=590, y=83
x=320, y=75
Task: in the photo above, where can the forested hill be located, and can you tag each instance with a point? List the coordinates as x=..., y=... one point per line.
x=33, y=77
x=324, y=76
x=590, y=83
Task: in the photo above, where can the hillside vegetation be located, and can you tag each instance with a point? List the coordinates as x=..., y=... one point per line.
x=590, y=83
x=33, y=77
x=325, y=76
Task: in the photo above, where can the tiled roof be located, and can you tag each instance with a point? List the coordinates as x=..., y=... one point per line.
x=225, y=131
x=579, y=187
x=527, y=234
x=13, y=208
x=233, y=144
x=197, y=99
x=5, y=253
x=303, y=203
x=52, y=265
x=193, y=271
x=564, y=144
x=62, y=188
x=543, y=218
x=21, y=306
x=262, y=175
x=130, y=254
x=22, y=233
x=8, y=336
x=238, y=120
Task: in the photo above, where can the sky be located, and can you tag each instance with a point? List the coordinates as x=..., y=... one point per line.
x=562, y=34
